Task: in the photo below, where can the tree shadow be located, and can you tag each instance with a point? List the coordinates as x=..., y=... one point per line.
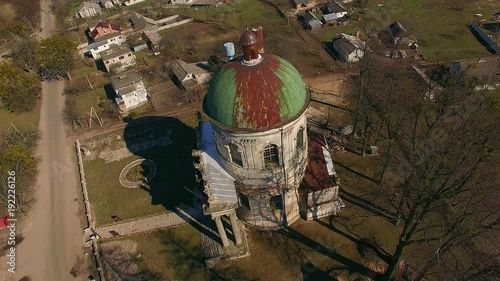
x=381, y=253
x=311, y=273
x=368, y=205
x=355, y=172
x=351, y=265
x=187, y=260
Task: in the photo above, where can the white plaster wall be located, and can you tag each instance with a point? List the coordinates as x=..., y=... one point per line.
x=253, y=175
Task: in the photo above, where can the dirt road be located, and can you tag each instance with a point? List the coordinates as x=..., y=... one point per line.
x=53, y=229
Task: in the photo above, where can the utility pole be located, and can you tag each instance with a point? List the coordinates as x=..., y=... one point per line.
x=88, y=80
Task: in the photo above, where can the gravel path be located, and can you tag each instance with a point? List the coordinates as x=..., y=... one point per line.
x=173, y=219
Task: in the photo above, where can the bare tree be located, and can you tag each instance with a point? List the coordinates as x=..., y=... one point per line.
x=445, y=160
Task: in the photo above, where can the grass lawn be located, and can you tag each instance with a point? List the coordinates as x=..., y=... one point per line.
x=74, y=6
x=441, y=27
x=28, y=120
x=175, y=172
x=326, y=34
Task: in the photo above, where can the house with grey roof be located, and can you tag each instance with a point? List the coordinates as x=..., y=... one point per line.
x=118, y=58
x=153, y=39
x=141, y=23
x=130, y=90
x=303, y=4
x=88, y=9
x=349, y=48
x=132, y=2
x=482, y=74
x=190, y=74
x=104, y=43
x=334, y=10
x=311, y=21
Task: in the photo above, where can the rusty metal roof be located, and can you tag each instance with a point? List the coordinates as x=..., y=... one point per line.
x=266, y=95
x=320, y=167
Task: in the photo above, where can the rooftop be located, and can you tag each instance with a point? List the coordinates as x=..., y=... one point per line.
x=153, y=36
x=88, y=5
x=114, y=52
x=258, y=97
x=125, y=79
x=483, y=69
x=105, y=37
x=141, y=22
x=181, y=68
x=349, y=42
x=220, y=182
x=334, y=7
x=320, y=169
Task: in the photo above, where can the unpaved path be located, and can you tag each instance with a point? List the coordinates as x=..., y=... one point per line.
x=52, y=229
x=143, y=225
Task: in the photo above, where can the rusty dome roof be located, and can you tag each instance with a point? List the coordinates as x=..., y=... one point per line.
x=258, y=97
x=248, y=38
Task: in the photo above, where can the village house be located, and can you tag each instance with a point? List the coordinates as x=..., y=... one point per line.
x=191, y=74
x=180, y=2
x=141, y=23
x=349, y=48
x=399, y=36
x=130, y=90
x=102, y=28
x=117, y=58
x=108, y=4
x=88, y=9
x=334, y=10
x=483, y=74
x=104, y=43
x=153, y=40
x=424, y=84
x=311, y=22
x=132, y=2
x=303, y=4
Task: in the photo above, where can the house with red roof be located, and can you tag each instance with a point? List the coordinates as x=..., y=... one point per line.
x=103, y=28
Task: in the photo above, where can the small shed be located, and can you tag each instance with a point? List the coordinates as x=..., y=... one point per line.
x=153, y=39
x=189, y=74
x=398, y=34
x=311, y=21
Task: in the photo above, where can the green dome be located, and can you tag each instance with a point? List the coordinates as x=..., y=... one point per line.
x=268, y=94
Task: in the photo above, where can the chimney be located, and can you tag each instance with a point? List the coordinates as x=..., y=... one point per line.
x=259, y=31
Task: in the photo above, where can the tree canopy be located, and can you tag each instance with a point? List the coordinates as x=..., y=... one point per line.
x=56, y=57
x=18, y=89
x=16, y=154
x=24, y=53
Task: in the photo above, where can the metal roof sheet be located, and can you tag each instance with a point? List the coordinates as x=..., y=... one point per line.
x=220, y=182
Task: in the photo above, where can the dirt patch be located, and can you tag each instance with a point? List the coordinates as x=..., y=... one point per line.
x=114, y=148
x=121, y=261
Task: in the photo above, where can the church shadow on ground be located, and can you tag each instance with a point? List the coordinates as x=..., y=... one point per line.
x=171, y=143
x=168, y=142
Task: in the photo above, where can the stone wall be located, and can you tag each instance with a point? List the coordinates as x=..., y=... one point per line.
x=318, y=204
x=258, y=182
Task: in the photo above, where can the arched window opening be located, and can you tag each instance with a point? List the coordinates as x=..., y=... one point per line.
x=244, y=202
x=271, y=155
x=300, y=138
x=235, y=154
x=276, y=202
